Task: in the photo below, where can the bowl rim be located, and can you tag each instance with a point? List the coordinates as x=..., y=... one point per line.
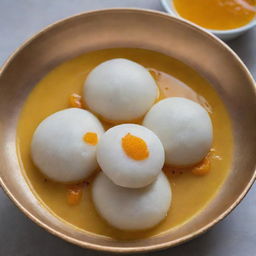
x=120, y=249
x=168, y=7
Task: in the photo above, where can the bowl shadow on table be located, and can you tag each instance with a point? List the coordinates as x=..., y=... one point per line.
x=244, y=46
x=23, y=237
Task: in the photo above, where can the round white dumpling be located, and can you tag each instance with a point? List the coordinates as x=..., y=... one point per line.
x=184, y=127
x=64, y=145
x=132, y=209
x=120, y=90
x=130, y=155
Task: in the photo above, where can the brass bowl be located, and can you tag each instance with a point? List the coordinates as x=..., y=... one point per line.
x=130, y=28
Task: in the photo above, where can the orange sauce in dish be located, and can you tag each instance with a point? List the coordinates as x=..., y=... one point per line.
x=73, y=204
x=217, y=14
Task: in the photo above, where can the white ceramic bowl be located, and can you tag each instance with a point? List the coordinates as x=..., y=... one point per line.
x=222, y=34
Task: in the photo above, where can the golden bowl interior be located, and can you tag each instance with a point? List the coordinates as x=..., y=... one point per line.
x=137, y=29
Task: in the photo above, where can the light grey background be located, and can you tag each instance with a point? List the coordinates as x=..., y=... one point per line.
x=19, y=236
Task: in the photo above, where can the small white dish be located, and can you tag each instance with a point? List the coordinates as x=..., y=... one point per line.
x=222, y=34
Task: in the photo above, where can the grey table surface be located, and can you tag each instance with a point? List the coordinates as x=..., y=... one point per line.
x=19, y=236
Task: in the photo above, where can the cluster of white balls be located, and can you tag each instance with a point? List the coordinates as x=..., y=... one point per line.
x=130, y=194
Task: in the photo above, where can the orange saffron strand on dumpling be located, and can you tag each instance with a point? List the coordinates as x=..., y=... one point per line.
x=135, y=147
x=91, y=138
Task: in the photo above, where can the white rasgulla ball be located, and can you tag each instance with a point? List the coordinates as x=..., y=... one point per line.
x=58, y=147
x=130, y=155
x=132, y=209
x=184, y=127
x=120, y=90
